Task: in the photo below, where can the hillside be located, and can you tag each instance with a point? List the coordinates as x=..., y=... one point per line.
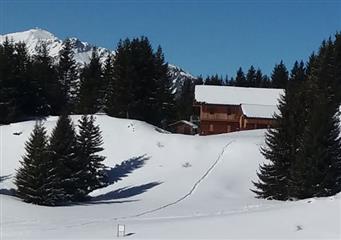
x=179, y=187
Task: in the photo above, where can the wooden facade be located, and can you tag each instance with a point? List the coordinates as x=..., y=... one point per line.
x=219, y=118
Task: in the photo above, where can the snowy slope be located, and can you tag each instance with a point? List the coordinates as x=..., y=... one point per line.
x=82, y=50
x=187, y=187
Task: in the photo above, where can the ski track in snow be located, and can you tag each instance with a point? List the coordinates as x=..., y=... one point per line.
x=195, y=186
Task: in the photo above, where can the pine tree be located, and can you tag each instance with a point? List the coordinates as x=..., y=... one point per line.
x=91, y=175
x=63, y=150
x=108, y=83
x=164, y=97
x=36, y=179
x=240, y=79
x=251, y=77
x=283, y=142
x=67, y=75
x=25, y=102
x=91, y=86
x=279, y=76
x=44, y=75
x=122, y=97
x=320, y=153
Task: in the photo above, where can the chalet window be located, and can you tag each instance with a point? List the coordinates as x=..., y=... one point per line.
x=228, y=128
x=211, y=128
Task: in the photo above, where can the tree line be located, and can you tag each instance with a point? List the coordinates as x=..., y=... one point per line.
x=134, y=83
x=252, y=78
x=304, y=148
x=64, y=167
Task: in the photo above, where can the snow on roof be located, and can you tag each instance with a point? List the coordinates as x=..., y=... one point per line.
x=259, y=111
x=237, y=95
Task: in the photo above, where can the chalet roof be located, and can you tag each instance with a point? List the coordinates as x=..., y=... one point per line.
x=259, y=111
x=237, y=95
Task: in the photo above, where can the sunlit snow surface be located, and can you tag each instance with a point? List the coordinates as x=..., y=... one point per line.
x=182, y=187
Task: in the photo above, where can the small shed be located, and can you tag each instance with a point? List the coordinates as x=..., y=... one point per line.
x=183, y=127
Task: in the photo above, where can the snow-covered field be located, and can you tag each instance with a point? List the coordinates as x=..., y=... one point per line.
x=178, y=187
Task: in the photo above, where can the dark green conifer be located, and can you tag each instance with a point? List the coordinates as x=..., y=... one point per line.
x=240, y=79
x=67, y=75
x=251, y=77
x=36, y=179
x=90, y=97
x=279, y=76
x=62, y=151
x=89, y=142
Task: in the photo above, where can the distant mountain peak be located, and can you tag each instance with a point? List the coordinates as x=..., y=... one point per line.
x=35, y=34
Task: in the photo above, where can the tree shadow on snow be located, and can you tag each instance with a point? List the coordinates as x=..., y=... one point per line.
x=122, y=170
x=125, y=192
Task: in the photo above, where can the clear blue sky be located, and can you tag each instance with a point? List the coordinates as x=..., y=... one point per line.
x=203, y=37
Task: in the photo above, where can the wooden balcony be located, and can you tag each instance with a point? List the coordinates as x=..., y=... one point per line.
x=219, y=117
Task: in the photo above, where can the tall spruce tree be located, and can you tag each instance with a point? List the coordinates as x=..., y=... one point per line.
x=67, y=75
x=240, y=78
x=44, y=76
x=283, y=142
x=279, y=76
x=62, y=152
x=108, y=82
x=165, y=102
x=91, y=96
x=320, y=153
x=25, y=100
x=251, y=77
x=36, y=179
x=91, y=175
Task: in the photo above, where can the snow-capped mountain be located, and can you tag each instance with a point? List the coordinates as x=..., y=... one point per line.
x=35, y=36
x=82, y=50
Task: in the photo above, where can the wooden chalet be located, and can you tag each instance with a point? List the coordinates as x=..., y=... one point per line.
x=226, y=109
